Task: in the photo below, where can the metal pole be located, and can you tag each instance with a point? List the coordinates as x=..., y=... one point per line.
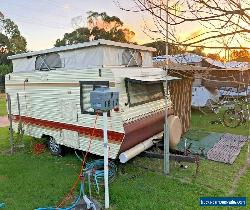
x=166, y=128
x=20, y=125
x=106, y=160
x=11, y=129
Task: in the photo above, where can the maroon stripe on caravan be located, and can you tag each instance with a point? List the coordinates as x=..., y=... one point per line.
x=98, y=133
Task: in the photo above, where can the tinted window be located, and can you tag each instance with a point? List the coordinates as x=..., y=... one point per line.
x=143, y=92
x=48, y=61
x=131, y=58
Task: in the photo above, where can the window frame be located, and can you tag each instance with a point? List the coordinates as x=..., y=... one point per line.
x=132, y=57
x=43, y=62
x=128, y=80
x=95, y=85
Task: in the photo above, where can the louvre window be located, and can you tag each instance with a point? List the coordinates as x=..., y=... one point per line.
x=140, y=92
x=47, y=62
x=85, y=88
x=131, y=58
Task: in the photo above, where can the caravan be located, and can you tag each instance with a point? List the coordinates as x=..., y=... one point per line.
x=50, y=94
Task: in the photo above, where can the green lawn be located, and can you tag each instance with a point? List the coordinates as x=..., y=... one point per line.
x=28, y=181
x=201, y=121
x=2, y=105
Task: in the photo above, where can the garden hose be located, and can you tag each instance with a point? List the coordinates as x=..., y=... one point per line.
x=96, y=169
x=2, y=205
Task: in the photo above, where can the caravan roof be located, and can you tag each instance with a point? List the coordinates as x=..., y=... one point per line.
x=84, y=45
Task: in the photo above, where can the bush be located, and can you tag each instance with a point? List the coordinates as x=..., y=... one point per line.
x=5, y=69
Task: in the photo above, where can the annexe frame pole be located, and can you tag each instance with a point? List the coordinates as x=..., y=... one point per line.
x=106, y=158
x=11, y=129
x=166, y=128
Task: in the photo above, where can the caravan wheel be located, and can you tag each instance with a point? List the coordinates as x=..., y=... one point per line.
x=54, y=148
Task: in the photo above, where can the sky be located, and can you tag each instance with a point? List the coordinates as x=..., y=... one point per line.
x=42, y=22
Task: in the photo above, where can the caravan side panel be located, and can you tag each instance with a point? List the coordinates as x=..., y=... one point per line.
x=50, y=105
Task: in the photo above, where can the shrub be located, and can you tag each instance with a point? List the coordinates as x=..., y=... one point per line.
x=5, y=69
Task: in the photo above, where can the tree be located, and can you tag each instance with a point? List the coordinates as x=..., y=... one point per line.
x=161, y=48
x=11, y=42
x=228, y=19
x=4, y=69
x=16, y=43
x=198, y=51
x=215, y=56
x=99, y=26
x=240, y=55
x=77, y=36
x=4, y=43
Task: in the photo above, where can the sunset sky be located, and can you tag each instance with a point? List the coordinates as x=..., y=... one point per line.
x=42, y=22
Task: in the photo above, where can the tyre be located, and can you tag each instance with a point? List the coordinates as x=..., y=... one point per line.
x=232, y=118
x=54, y=148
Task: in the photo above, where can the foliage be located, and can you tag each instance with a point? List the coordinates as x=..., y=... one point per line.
x=5, y=69
x=77, y=36
x=215, y=56
x=12, y=40
x=227, y=20
x=198, y=51
x=4, y=60
x=100, y=26
x=161, y=48
x=3, y=110
x=240, y=55
x=4, y=43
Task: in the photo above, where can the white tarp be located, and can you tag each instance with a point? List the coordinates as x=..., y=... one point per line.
x=202, y=97
x=24, y=64
x=95, y=56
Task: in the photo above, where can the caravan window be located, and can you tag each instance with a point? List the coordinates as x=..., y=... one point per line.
x=85, y=88
x=47, y=62
x=131, y=58
x=140, y=92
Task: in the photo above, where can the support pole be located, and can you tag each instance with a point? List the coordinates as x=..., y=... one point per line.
x=11, y=129
x=20, y=125
x=166, y=128
x=105, y=150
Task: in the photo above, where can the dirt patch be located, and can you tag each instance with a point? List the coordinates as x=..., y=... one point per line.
x=241, y=173
x=3, y=178
x=4, y=121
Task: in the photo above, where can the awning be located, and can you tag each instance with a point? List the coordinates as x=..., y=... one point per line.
x=151, y=79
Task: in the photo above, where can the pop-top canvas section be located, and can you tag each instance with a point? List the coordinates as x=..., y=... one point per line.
x=99, y=53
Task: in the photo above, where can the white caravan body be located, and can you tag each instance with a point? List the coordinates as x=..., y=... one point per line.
x=50, y=89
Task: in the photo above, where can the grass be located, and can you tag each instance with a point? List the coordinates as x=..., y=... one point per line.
x=201, y=121
x=244, y=185
x=3, y=110
x=29, y=181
